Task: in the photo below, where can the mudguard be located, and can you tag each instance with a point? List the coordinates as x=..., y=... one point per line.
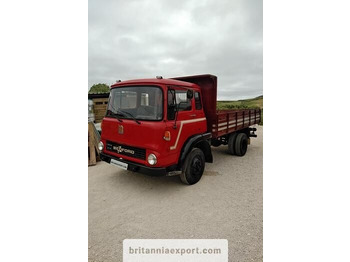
x=199, y=141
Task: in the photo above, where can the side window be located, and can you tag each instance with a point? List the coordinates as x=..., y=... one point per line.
x=183, y=103
x=178, y=101
x=197, y=99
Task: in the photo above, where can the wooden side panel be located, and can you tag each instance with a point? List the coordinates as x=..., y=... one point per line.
x=228, y=121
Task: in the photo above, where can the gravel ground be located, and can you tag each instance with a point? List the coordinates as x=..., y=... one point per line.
x=227, y=203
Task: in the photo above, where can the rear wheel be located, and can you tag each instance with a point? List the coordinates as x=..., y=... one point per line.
x=193, y=167
x=231, y=143
x=241, y=144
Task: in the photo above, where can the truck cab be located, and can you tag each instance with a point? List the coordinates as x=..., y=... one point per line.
x=157, y=127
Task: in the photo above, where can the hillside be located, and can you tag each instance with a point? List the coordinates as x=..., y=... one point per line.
x=256, y=102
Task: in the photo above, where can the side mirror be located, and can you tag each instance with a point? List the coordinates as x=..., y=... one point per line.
x=189, y=94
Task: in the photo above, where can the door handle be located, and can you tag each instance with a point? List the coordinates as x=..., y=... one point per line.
x=193, y=115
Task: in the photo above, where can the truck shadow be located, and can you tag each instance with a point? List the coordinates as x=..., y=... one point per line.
x=137, y=180
x=220, y=151
x=223, y=151
x=134, y=181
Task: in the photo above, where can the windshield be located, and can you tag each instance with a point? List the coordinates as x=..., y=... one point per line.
x=138, y=102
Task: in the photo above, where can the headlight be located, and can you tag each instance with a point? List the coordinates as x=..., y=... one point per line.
x=100, y=146
x=152, y=159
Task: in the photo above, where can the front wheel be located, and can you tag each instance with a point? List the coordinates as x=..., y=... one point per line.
x=193, y=167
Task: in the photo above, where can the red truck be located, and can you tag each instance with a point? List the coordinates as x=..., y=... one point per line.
x=167, y=126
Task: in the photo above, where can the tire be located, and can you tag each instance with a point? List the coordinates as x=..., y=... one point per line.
x=231, y=143
x=241, y=144
x=193, y=168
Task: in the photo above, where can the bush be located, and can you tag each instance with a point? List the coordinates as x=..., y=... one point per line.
x=99, y=88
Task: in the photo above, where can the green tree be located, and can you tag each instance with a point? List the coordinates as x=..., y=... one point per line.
x=99, y=88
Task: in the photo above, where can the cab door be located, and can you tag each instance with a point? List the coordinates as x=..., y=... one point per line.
x=184, y=120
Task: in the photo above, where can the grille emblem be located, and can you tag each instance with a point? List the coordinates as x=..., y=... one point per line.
x=127, y=150
x=120, y=149
x=120, y=129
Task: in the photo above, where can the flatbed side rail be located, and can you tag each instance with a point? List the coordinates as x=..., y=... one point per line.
x=228, y=121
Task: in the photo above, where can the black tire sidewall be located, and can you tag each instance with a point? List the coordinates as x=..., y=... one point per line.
x=241, y=144
x=231, y=143
x=187, y=175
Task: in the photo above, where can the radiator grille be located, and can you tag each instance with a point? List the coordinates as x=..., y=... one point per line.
x=131, y=151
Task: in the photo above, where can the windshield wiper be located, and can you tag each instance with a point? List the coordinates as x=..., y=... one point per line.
x=124, y=112
x=109, y=112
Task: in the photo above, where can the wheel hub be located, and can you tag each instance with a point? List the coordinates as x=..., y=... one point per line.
x=196, y=165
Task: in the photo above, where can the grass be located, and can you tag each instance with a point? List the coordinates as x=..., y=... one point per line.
x=256, y=102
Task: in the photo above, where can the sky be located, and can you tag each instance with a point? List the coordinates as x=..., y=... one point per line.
x=146, y=38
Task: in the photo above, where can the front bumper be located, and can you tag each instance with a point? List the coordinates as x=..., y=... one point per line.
x=151, y=171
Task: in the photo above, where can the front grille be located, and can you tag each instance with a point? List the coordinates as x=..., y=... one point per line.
x=136, y=152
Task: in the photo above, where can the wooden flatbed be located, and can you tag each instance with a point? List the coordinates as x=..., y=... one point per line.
x=228, y=121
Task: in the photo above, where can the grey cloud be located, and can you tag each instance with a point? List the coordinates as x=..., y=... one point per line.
x=142, y=39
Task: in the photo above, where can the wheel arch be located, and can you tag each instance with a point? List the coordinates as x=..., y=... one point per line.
x=197, y=141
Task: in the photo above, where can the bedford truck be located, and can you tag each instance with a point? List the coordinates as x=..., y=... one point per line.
x=167, y=126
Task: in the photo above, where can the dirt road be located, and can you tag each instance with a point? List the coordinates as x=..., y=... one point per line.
x=227, y=203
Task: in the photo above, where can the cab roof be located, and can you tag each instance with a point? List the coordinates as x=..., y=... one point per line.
x=158, y=81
